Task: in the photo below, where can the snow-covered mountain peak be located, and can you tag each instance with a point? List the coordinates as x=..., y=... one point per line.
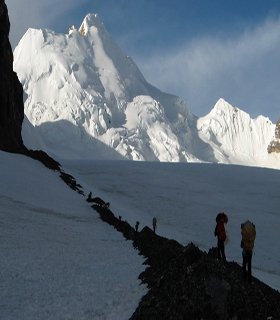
x=222, y=103
x=223, y=108
x=236, y=137
x=81, y=87
x=91, y=20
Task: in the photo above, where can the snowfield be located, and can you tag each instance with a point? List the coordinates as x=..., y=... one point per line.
x=62, y=262
x=186, y=198
x=59, y=261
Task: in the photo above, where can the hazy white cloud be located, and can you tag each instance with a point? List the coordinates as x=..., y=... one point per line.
x=36, y=14
x=244, y=70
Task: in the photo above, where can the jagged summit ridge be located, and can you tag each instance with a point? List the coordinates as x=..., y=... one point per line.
x=81, y=87
x=224, y=109
x=91, y=21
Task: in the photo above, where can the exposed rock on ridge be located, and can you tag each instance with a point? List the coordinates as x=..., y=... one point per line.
x=11, y=93
x=186, y=283
x=274, y=146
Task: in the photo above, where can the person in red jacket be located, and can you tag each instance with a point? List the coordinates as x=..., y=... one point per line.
x=220, y=233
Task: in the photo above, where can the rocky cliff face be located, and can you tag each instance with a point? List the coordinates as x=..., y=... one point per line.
x=11, y=99
x=274, y=146
x=11, y=93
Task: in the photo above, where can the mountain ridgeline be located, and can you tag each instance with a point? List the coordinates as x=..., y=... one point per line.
x=86, y=99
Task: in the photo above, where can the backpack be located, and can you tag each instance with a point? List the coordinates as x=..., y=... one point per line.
x=248, y=232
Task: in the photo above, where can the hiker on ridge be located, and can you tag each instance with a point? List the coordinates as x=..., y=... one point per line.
x=89, y=198
x=220, y=233
x=248, y=233
x=154, y=224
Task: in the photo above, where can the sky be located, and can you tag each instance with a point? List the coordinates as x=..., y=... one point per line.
x=200, y=50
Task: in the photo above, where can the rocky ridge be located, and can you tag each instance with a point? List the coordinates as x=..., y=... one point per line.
x=186, y=283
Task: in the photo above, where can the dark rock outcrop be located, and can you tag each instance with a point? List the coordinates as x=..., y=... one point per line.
x=71, y=182
x=195, y=285
x=11, y=100
x=186, y=283
x=43, y=157
x=11, y=92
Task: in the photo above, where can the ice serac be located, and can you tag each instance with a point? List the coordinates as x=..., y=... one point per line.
x=11, y=94
x=81, y=93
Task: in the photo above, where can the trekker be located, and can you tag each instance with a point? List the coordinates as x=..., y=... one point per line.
x=220, y=233
x=89, y=198
x=248, y=233
x=136, y=226
x=154, y=224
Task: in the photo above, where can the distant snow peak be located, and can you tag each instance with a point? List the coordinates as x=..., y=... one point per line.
x=221, y=103
x=237, y=138
x=222, y=107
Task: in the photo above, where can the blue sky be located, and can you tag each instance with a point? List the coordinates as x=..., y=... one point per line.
x=200, y=50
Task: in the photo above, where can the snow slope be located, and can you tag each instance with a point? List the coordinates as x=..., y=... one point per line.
x=60, y=261
x=186, y=198
x=85, y=94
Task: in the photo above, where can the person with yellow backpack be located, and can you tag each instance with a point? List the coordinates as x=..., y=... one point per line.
x=248, y=233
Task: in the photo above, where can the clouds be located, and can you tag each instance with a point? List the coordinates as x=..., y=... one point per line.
x=244, y=70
